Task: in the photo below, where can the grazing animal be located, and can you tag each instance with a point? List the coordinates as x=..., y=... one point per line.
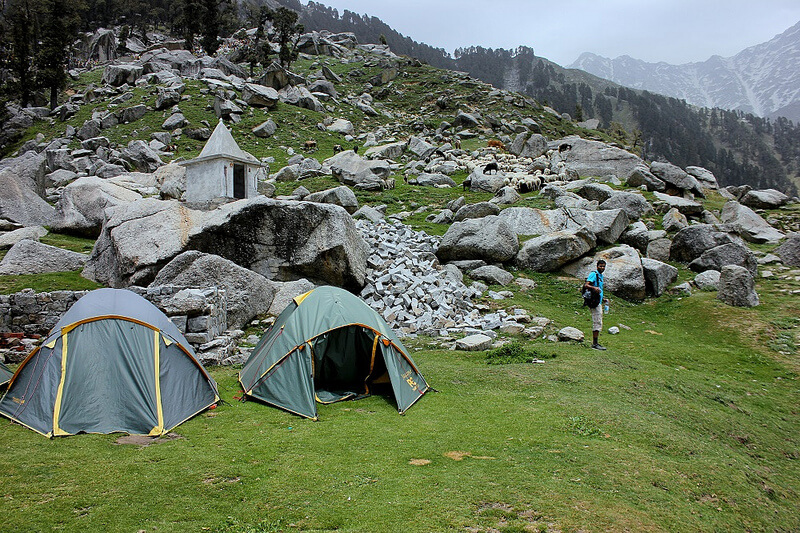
x=355, y=149
x=564, y=148
x=490, y=166
x=467, y=184
x=310, y=146
x=457, y=143
x=337, y=148
x=494, y=143
x=388, y=183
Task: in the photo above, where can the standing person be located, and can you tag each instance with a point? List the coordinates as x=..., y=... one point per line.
x=594, y=283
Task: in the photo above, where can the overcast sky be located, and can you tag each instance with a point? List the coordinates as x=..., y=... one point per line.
x=674, y=31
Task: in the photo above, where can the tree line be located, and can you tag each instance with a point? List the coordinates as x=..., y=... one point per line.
x=37, y=37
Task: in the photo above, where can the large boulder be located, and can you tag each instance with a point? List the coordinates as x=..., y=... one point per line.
x=624, y=275
x=704, y=177
x=531, y=221
x=10, y=238
x=342, y=196
x=528, y=145
x=420, y=147
x=684, y=205
x=635, y=205
x=489, y=238
x=789, y=251
x=141, y=157
x=749, y=224
x=81, y=207
x=658, y=276
x=480, y=182
x=171, y=181
x=281, y=240
x=247, y=294
x=19, y=202
x=690, y=243
x=117, y=75
x=259, y=96
x=548, y=253
x=674, y=177
x=642, y=176
x=477, y=210
x=492, y=275
x=341, y=125
x=764, y=199
x=386, y=151
x=606, y=225
x=737, y=287
x=726, y=254
x=287, y=291
x=594, y=158
x=433, y=180
x=638, y=236
x=349, y=168
x=32, y=257
x=29, y=169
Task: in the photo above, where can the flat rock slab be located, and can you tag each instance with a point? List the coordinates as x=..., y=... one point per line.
x=474, y=343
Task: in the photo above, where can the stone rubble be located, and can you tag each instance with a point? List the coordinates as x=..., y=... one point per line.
x=408, y=287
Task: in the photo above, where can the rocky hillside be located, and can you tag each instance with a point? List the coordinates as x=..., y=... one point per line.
x=763, y=80
x=503, y=186
x=747, y=150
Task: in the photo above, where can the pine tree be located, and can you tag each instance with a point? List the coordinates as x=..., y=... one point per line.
x=59, y=28
x=288, y=31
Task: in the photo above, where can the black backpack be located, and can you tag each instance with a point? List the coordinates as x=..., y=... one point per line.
x=591, y=299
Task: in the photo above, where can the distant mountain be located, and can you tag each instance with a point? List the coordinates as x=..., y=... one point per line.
x=763, y=80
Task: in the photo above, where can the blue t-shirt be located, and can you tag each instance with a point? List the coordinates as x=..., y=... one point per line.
x=596, y=279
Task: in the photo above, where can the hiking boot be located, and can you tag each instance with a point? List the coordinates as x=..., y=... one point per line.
x=597, y=346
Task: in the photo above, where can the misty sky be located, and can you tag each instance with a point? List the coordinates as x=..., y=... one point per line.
x=674, y=31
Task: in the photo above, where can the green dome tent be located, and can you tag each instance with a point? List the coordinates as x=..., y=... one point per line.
x=5, y=374
x=326, y=346
x=114, y=362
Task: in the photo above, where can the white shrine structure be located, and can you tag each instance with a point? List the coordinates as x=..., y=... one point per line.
x=222, y=170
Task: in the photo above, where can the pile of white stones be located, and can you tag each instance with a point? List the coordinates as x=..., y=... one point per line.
x=413, y=292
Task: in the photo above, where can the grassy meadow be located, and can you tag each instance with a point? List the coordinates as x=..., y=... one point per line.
x=687, y=423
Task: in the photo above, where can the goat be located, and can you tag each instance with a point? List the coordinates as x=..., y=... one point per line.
x=310, y=146
x=387, y=183
x=490, y=166
x=494, y=143
x=337, y=148
x=563, y=148
x=467, y=183
x=355, y=149
x=457, y=143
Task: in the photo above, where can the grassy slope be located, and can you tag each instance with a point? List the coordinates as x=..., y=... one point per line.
x=688, y=422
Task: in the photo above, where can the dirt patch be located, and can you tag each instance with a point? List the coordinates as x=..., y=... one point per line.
x=419, y=462
x=144, y=440
x=459, y=456
x=651, y=332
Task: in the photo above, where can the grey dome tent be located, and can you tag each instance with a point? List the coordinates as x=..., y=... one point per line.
x=326, y=346
x=114, y=362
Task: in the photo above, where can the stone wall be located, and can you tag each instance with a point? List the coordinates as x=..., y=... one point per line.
x=200, y=314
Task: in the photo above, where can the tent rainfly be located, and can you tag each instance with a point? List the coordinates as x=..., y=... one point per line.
x=326, y=346
x=5, y=374
x=114, y=362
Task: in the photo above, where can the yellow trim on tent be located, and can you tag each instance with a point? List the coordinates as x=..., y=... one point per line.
x=57, y=431
x=159, y=429
x=375, y=342
x=52, y=344
x=299, y=299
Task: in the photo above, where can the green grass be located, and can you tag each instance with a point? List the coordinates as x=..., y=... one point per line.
x=686, y=423
x=53, y=281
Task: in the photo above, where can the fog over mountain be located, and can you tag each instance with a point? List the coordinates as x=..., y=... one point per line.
x=763, y=79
